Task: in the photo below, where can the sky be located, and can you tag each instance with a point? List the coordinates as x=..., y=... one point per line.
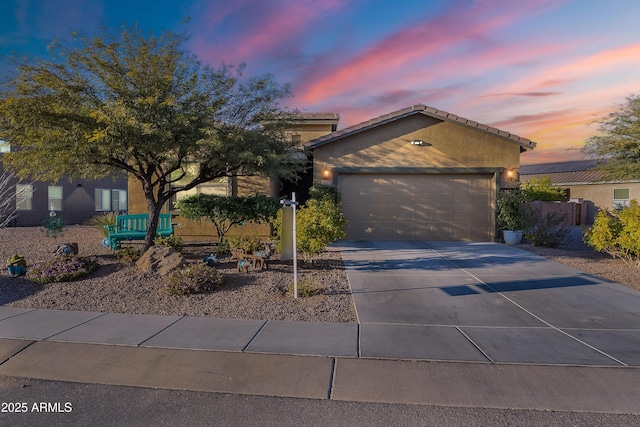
x=545, y=70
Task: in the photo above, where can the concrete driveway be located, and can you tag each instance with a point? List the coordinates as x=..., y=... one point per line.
x=487, y=302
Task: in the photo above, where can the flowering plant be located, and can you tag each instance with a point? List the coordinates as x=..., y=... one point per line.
x=62, y=269
x=193, y=279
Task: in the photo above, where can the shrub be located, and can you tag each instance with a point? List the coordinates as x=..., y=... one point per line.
x=193, y=279
x=222, y=249
x=249, y=244
x=54, y=226
x=544, y=190
x=100, y=221
x=62, y=269
x=128, y=254
x=513, y=211
x=306, y=288
x=318, y=223
x=174, y=242
x=548, y=231
x=617, y=233
x=324, y=192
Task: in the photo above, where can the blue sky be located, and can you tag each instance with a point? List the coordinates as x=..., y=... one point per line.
x=542, y=69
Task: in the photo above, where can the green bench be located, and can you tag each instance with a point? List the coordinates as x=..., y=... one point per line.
x=134, y=227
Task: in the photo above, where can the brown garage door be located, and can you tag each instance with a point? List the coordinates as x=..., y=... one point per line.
x=418, y=206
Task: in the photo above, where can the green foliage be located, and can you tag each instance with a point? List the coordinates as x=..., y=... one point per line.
x=318, y=223
x=225, y=212
x=100, y=221
x=222, y=248
x=325, y=192
x=54, y=227
x=543, y=189
x=306, y=288
x=128, y=254
x=618, y=143
x=174, y=242
x=136, y=102
x=617, y=233
x=513, y=211
x=193, y=279
x=248, y=243
x=62, y=269
x=548, y=231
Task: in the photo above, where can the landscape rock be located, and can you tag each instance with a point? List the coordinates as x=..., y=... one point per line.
x=161, y=260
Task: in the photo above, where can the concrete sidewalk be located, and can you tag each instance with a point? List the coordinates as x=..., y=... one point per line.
x=288, y=359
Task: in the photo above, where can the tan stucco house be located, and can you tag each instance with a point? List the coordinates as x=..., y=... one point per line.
x=416, y=173
x=585, y=183
x=419, y=173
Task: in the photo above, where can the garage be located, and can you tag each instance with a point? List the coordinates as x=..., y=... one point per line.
x=419, y=174
x=418, y=206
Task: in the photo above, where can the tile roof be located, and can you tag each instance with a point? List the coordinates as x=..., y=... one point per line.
x=524, y=143
x=567, y=173
x=569, y=166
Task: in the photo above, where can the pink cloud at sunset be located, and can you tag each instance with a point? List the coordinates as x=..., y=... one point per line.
x=541, y=69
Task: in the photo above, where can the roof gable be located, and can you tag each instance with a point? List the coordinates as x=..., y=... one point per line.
x=524, y=143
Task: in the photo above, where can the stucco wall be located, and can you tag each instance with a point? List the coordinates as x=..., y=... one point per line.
x=600, y=196
x=448, y=145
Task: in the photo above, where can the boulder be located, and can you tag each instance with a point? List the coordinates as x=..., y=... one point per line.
x=161, y=260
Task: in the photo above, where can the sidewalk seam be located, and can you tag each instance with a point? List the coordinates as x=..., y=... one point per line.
x=160, y=331
x=253, y=338
x=332, y=377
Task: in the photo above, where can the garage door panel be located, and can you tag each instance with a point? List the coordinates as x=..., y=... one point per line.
x=419, y=206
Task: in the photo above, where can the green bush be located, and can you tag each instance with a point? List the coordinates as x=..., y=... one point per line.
x=319, y=223
x=324, y=192
x=306, y=288
x=174, y=242
x=248, y=243
x=100, y=221
x=544, y=190
x=222, y=249
x=62, y=269
x=128, y=254
x=548, y=231
x=617, y=233
x=193, y=279
x=513, y=211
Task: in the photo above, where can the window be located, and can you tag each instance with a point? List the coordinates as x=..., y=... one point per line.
x=55, y=198
x=103, y=200
x=119, y=200
x=620, y=198
x=24, y=197
x=110, y=200
x=4, y=146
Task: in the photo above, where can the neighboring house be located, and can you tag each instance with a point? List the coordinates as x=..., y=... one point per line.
x=74, y=201
x=417, y=173
x=585, y=183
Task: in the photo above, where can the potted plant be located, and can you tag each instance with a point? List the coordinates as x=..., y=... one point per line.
x=514, y=215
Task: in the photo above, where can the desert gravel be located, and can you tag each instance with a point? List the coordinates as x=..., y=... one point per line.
x=120, y=288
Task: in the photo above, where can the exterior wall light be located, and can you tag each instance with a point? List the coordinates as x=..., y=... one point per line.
x=420, y=142
x=326, y=173
x=511, y=175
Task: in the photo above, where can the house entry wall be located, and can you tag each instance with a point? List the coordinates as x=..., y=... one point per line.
x=420, y=206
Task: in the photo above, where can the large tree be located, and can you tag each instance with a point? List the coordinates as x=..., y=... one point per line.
x=618, y=144
x=138, y=102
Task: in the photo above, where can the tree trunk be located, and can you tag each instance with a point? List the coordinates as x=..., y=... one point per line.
x=154, y=213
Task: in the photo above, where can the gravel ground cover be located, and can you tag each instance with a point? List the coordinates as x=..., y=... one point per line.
x=120, y=288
